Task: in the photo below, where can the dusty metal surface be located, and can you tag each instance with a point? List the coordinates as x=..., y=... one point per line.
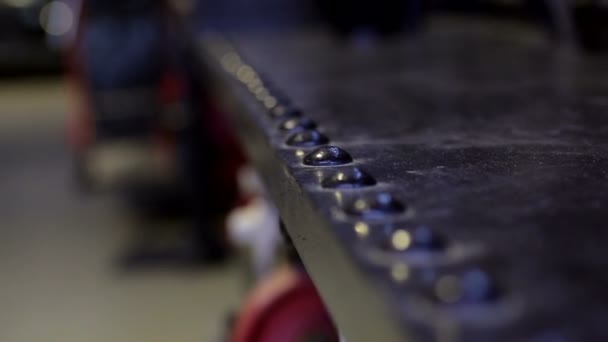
x=469, y=198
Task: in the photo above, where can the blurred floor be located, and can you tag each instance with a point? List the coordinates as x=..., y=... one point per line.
x=58, y=247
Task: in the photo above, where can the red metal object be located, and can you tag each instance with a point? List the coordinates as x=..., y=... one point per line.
x=284, y=308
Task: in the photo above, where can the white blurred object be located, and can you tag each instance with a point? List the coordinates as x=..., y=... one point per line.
x=250, y=183
x=255, y=226
x=56, y=18
x=60, y=20
x=123, y=162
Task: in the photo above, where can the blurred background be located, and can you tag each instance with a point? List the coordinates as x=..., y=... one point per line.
x=67, y=240
x=123, y=192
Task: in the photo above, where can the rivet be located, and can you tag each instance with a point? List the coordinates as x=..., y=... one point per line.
x=231, y=62
x=327, y=156
x=379, y=205
x=255, y=86
x=246, y=74
x=419, y=239
x=401, y=240
x=449, y=289
x=400, y=272
x=270, y=102
x=424, y=238
x=307, y=138
x=295, y=123
x=361, y=229
x=352, y=178
x=472, y=287
x=282, y=111
x=478, y=286
x=261, y=93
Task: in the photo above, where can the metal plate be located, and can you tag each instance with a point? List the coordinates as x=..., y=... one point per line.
x=493, y=142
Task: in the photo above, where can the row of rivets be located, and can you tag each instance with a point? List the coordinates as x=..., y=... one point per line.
x=470, y=286
x=303, y=132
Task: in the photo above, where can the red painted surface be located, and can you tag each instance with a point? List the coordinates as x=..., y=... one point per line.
x=284, y=308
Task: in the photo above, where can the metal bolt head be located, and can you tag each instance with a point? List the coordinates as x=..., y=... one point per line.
x=420, y=239
x=296, y=123
x=425, y=239
x=283, y=111
x=478, y=286
x=376, y=206
x=474, y=286
x=347, y=179
x=327, y=156
x=307, y=138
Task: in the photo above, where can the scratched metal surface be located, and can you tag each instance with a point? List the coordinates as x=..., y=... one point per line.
x=494, y=142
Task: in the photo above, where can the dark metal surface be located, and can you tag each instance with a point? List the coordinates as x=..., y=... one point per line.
x=476, y=199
